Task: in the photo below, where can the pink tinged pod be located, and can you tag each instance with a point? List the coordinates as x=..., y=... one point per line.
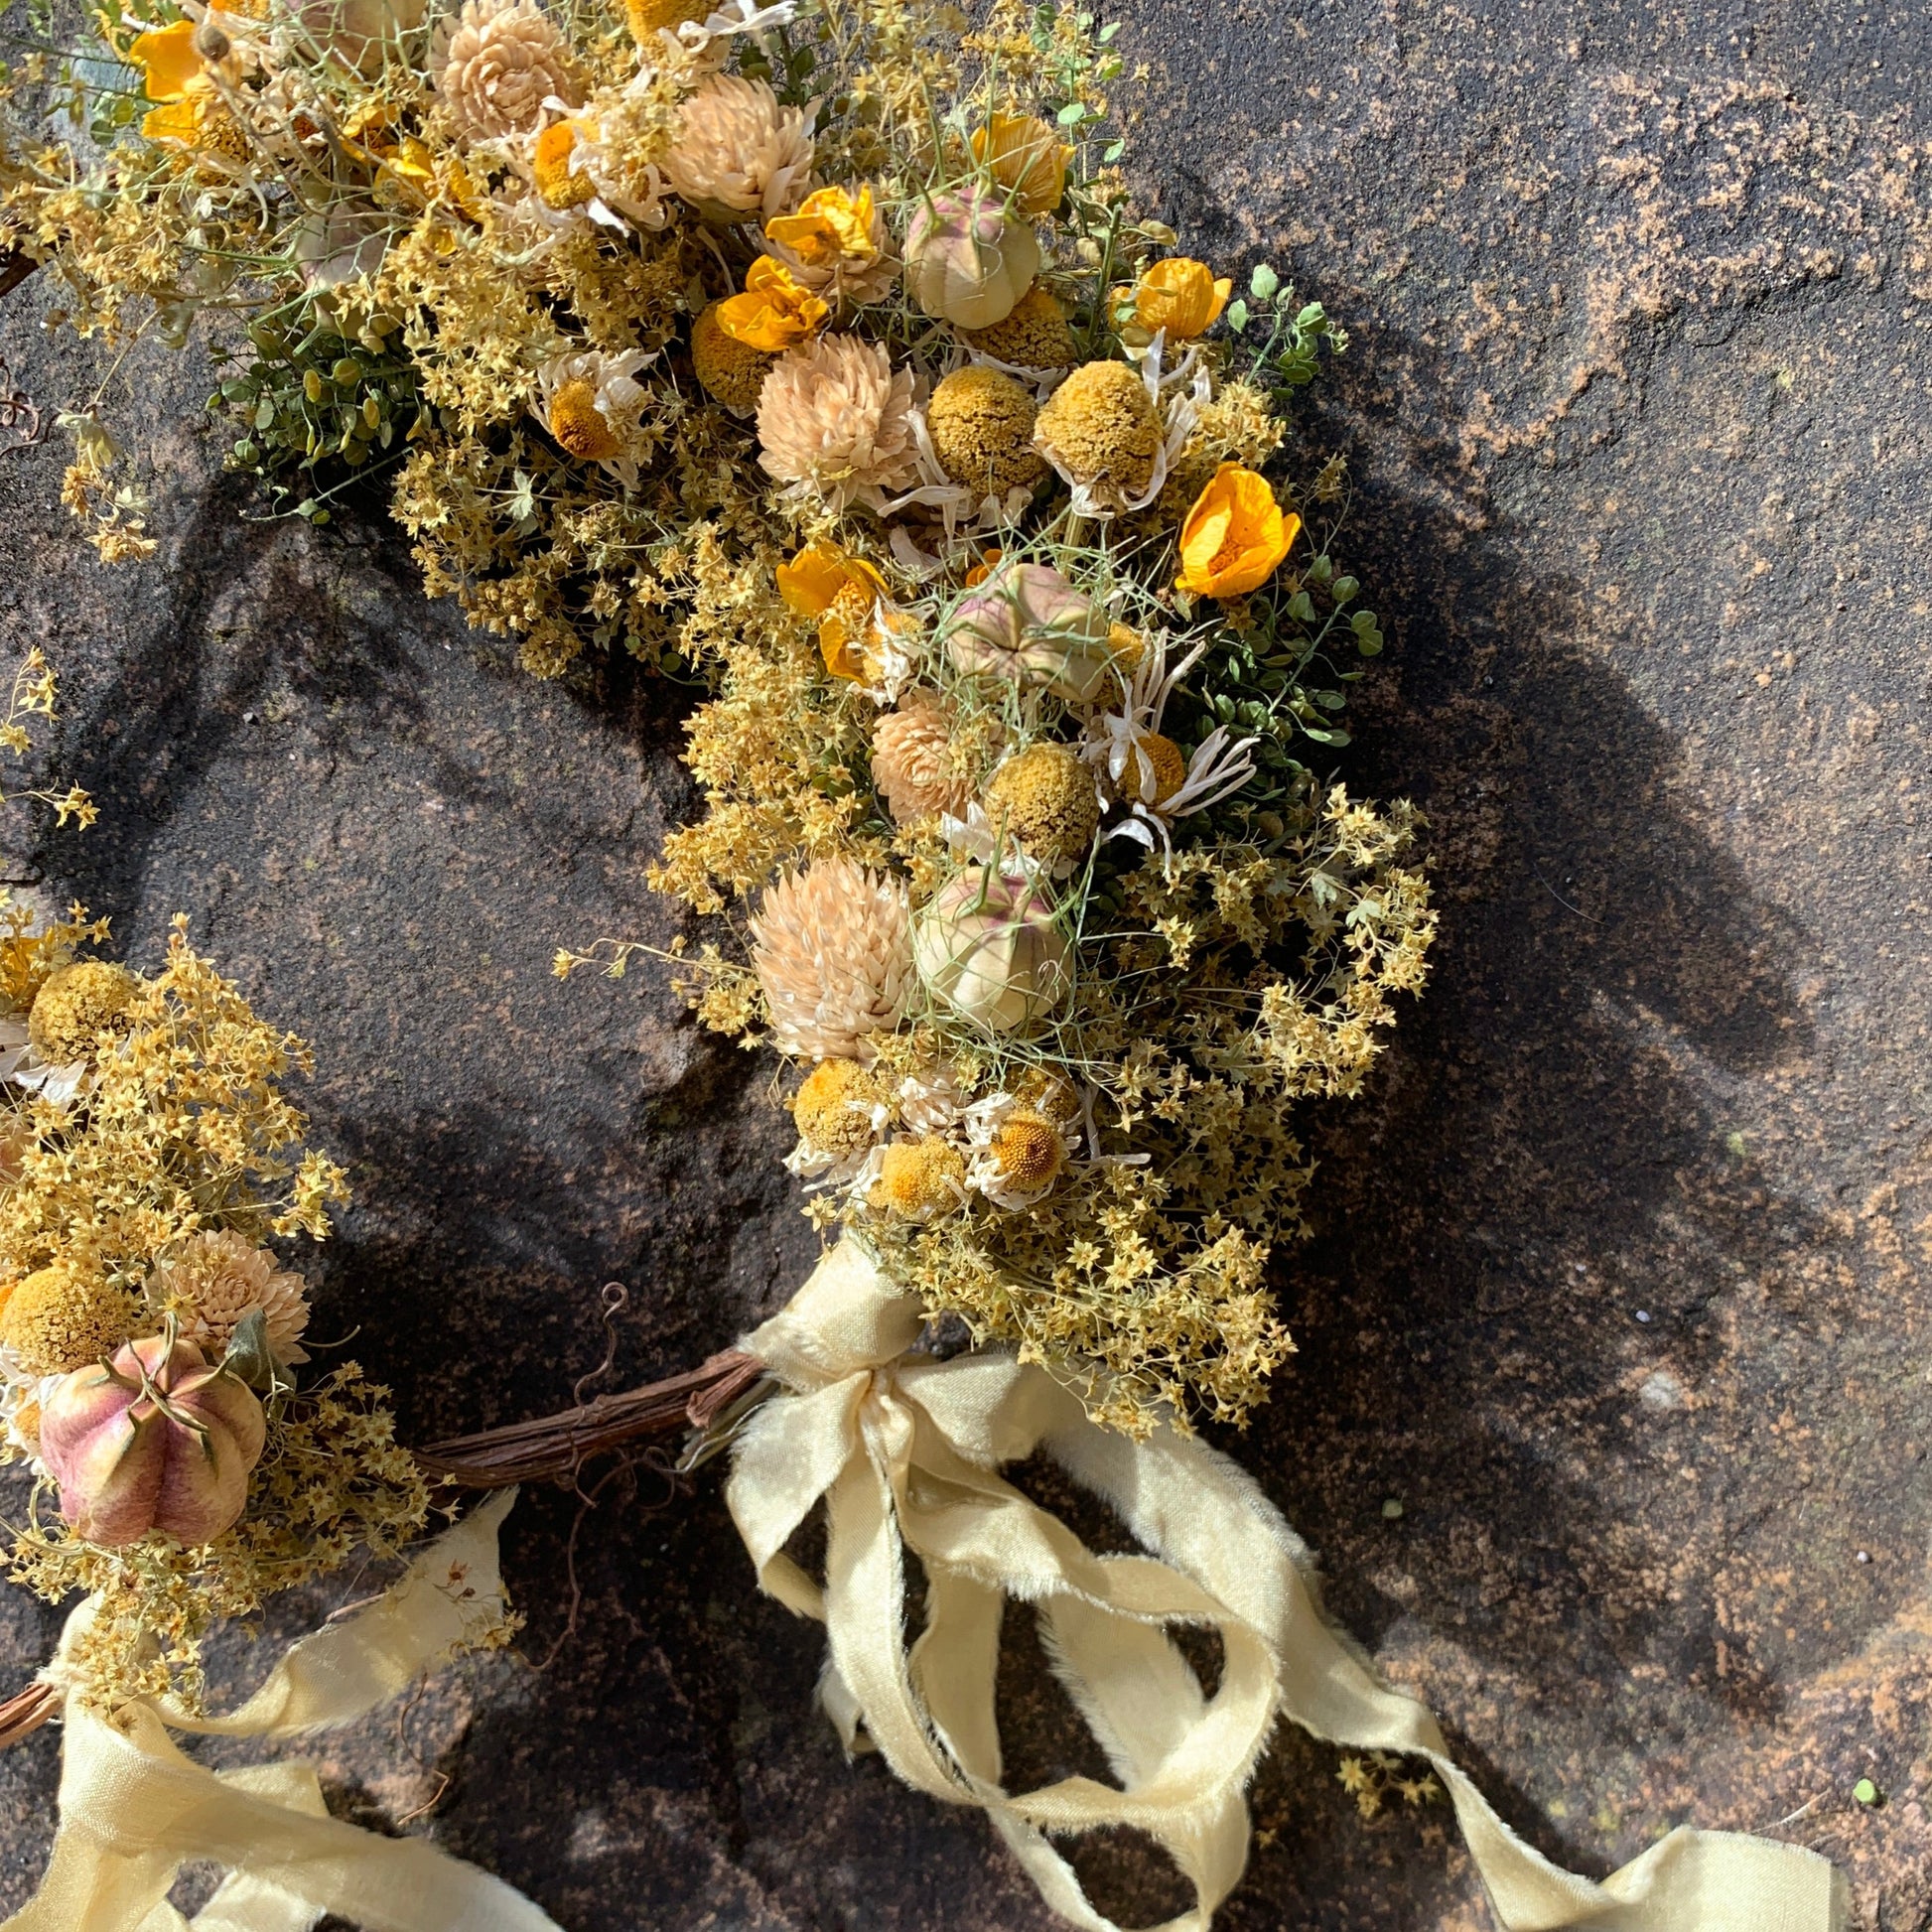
x=158, y=1440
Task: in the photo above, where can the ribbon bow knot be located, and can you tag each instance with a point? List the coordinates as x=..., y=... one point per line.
x=906, y=1453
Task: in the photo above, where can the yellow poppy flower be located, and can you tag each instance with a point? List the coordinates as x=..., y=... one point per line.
x=773, y=314
x=844, y=592
x=167, y=59
x=830, y=228
x=1235, y=536
x=1186, y=298
x=1026, y=158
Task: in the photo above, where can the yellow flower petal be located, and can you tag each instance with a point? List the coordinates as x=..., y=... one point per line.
x=1235, y=536
x=831, y=226
x=1027, y=158
x=1186, y=298
x=773, y=314
x=168, y=60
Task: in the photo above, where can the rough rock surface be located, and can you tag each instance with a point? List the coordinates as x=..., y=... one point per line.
x=1620, y=1286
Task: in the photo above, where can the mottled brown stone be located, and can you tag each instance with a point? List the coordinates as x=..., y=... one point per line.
x=1620, y=1281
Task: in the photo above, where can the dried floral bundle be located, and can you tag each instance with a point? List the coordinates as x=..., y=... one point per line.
x=149, y=1335
x=816, y=347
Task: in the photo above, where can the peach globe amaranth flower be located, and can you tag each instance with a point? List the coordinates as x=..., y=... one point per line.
x=738, y=153
x=213, y=1281
x=729, y=370
x=967, y=260
x=836, y=421
x=155, y=1440
x=1036, y=336
x=989, y=945
x=501, y=61
x=835, y=246
x=982, y=427
x=832, y=951
x=1235, y=536
x=917, y=760
x=1026, y=158
x=1184, y=298
x=773, y=314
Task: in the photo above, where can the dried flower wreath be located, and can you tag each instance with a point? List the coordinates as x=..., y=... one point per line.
x=812, y=347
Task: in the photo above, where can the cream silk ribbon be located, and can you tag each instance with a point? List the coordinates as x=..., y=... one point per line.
x=906, y=1452
x=134, y=1808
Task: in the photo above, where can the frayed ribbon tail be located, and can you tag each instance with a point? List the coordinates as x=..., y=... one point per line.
x=906, y=1452
x=135, y=1807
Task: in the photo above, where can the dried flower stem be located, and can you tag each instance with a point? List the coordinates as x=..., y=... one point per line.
x=554, y=1448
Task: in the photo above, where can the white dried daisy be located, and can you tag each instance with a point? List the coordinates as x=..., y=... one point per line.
x=738, y=153
x=590, y=403
x=832, y=948
x=212, y=1283
x=1016, y=1151
x=1147, y=772
x=837, y=421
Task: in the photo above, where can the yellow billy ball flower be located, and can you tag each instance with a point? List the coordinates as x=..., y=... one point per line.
x=1036, y=336
x=1026, y=158
x=920, y=1179
x=833, y=1110
x=1028, y=1149
x=550, y=163
x=1100, y=426
x=1186, y=298
x=1044, y=796
x=76, y=1007
x=982, y=427
x=650, y=18
x=1235, y=536
x=58, y=1320
x=773, y=314
x=579, y=425
x=731, y=370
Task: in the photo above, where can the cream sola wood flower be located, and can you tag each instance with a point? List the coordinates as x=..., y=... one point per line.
x=739, y=154
x=590, y=403
x=1148, y=772
x=832, y=949
x=1113, y=430
x=498, y=63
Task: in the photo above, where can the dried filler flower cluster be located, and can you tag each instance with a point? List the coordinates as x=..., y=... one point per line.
x=150, y=1333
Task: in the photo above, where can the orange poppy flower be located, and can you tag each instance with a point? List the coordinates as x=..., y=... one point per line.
x=1235, y=536
x=773, y=314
